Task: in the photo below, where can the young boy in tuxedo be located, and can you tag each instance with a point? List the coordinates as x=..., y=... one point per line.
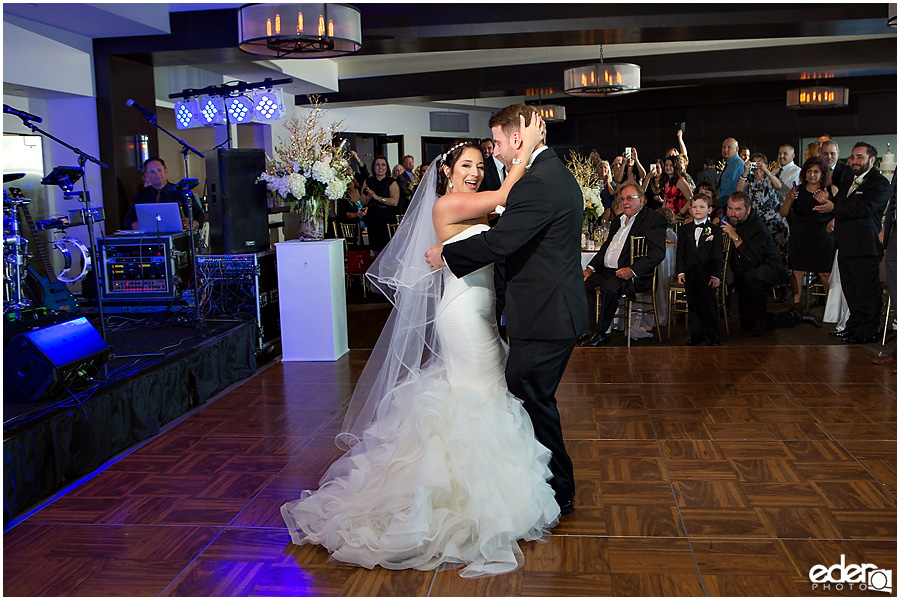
x=698, y=262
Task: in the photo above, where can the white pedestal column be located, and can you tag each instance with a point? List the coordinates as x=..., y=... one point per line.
x=313, y=300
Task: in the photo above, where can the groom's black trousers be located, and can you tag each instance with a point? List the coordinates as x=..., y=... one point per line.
x=533, y=372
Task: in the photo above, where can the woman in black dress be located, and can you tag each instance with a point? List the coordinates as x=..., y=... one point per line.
x=811, y=244
x=380, y=194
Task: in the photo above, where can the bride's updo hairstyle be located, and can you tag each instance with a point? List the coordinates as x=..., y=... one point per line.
x=450, y=158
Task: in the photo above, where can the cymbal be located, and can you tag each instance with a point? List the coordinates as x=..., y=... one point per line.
x=7, y=177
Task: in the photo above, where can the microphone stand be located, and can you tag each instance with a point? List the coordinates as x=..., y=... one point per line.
x=189, y=196
x=88, y=212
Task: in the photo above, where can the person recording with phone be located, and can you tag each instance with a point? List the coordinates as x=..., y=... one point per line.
x=761, y=185
x=631, y=172
x=160, y=191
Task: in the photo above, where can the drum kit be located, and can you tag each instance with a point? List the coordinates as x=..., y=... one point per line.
x=18, y=296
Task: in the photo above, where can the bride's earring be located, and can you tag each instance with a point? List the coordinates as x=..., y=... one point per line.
x=450, y=184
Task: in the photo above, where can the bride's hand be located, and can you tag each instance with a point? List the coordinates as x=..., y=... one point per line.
x=532, y=134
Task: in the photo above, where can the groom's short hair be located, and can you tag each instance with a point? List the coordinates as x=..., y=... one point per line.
x=508, y=118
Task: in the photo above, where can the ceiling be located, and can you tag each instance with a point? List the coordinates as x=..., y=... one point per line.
x=487, y=55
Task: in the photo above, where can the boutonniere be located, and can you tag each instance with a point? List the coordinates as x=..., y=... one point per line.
x=707, y=233
x=859, y=180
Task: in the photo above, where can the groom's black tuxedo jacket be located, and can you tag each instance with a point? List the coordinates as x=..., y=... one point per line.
x=700, y=261
x=857, y=217
x=539, y=235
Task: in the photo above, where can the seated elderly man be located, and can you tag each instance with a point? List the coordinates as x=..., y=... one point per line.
x=612, y=270
x=754, y=260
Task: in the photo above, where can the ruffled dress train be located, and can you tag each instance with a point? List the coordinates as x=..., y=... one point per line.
x=449, y=473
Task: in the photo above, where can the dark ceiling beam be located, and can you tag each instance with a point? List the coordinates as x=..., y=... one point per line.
x=433, y=27
x=723, y=68
x=388, y=29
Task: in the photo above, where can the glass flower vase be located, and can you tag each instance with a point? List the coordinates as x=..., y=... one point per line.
x=312, y=220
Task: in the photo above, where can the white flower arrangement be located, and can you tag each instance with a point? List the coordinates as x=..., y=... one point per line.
x=308, y=170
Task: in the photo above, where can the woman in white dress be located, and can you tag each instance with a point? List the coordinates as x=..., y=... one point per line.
x=442, y=469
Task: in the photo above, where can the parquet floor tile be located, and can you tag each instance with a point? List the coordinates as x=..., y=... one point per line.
x=722, y=472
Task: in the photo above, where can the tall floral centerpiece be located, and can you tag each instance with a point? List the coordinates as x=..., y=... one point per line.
x=587, y=179
x=308, y=171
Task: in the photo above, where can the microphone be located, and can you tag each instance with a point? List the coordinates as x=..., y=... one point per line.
x=21, y=114
x=130, y=102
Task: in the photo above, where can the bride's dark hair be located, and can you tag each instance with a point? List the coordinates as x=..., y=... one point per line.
x=450, y=158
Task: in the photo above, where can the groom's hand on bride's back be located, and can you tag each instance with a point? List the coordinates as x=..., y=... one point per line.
x=434, y=257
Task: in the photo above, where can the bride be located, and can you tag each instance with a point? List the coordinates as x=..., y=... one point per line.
x=443, y=469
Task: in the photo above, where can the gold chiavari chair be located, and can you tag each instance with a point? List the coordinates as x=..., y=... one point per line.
x=645, y=301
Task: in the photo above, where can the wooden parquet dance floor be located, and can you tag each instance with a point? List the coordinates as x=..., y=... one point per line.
x=700, y=471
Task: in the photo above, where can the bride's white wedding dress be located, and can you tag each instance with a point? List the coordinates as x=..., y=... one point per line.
x=450, y=473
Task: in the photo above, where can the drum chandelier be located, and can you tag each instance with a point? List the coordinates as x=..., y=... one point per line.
x=316, y=30
x=602, y=79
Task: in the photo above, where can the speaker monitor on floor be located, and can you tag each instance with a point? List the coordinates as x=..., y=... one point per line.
x=45, y=361
x=238, y=212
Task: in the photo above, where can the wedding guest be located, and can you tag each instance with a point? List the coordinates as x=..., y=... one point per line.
x=612, y=269
x=760, y=184
x=380, y=194
x=888, y=237
x=607, y=186
x=708, y=173
x=811, y=244
x=653, y=186
x=698, y=262
x=631, y=170
x=726, y=183
x=858, y=208
x=683, y=164
x=715, y=206
x=675, y=188
x=754, y=260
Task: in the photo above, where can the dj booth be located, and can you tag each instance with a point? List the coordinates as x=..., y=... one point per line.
x=144, y=267
x=147, y=271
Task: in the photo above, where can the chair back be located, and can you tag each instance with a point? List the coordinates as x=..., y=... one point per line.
x=350, y=232
x=726, y=252
x=637, y=247
x=392, y=229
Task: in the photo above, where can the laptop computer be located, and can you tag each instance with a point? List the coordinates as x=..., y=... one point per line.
x=167, y=215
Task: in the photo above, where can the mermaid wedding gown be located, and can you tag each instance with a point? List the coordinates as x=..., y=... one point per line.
x=450, y=474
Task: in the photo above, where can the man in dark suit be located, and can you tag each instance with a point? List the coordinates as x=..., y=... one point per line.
x=698, y=262
x=491, y=179
x=612, y=269
x=539, y=235
x=888, y=237
x=858, y=208
x=754, y=260
x=831, y=154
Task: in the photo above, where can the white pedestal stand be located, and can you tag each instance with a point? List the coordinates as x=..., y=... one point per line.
x=313, y=300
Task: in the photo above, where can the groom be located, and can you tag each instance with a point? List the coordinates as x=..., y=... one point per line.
x=539, y=235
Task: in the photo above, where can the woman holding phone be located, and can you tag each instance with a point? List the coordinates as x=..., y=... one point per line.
x=760, y=184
